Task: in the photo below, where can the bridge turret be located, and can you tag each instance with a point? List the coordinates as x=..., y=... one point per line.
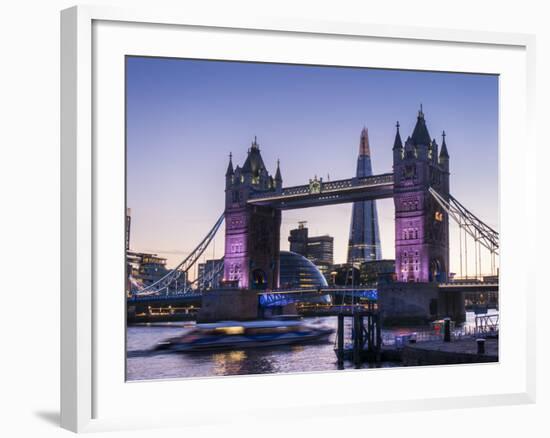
x=409, y=149
x=278, y=178
x=397, y=145
x=444, y=189
x=421, y=137
x=254, y=170
x=444, y=154
x=434, y=152
x=229, y=172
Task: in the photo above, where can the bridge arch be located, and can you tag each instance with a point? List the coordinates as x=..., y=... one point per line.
x=259, y=279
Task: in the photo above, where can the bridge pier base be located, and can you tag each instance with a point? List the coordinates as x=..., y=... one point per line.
x=228, y=305
x=452, y=304
x=272, y=311
x=413, y=304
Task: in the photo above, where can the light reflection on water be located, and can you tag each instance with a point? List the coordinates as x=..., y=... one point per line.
x=282, y=359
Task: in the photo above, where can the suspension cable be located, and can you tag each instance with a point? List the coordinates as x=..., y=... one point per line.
x=466, y=251
x=460, y=243
x=474, y=226
x=475, y=255
x=479, y=262
x=182, y=268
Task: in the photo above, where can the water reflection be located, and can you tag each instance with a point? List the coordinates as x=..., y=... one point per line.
x=142, y=365
x=228, y=363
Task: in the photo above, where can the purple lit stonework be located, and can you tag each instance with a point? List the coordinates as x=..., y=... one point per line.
x=252, y=233
x=421, y=226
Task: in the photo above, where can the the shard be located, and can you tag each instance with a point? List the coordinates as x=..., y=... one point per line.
x=364, y=236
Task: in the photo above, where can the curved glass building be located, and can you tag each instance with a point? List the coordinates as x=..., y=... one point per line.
x=298, y=272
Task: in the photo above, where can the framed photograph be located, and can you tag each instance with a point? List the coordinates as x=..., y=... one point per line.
x=327, y=217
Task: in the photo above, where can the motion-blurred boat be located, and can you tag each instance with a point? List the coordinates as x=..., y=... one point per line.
x=234, y=335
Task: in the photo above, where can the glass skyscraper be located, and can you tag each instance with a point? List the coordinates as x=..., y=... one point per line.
x=364, y=236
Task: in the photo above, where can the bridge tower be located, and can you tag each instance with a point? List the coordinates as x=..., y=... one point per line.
x=421, y=225
x=252, y=233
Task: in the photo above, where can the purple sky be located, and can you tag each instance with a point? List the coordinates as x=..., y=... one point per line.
x=185, y=116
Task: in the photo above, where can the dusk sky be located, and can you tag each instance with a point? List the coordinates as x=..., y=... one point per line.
x=184, y=117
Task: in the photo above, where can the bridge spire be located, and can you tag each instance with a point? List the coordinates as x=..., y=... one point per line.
x=444, y=153
x=397, y=143
x=420, y=135
x=434, y=148
x=255, y=143
x=278, y=177
x=230, y=171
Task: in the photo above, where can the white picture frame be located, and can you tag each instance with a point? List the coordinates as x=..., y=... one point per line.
x=86, y=403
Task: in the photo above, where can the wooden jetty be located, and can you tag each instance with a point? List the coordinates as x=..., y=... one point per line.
x=366, y=335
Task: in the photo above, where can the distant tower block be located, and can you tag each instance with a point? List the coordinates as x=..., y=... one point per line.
x=364, y=236
x=298, y=239
x=421, y=226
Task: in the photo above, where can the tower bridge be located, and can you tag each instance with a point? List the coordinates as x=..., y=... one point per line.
x=254, y=201
x=420, y=188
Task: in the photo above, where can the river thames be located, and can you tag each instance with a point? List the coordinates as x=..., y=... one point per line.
x=142, y=364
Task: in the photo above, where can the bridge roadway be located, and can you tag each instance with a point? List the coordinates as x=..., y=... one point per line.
x=283, y=296
x=469, y=287
x=319, y=193
x=278, y=297
x=166, y=300
x=286, y=296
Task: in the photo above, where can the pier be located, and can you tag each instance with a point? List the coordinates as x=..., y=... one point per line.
x=439, y=352
x=429, y=347
x=365, y=341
